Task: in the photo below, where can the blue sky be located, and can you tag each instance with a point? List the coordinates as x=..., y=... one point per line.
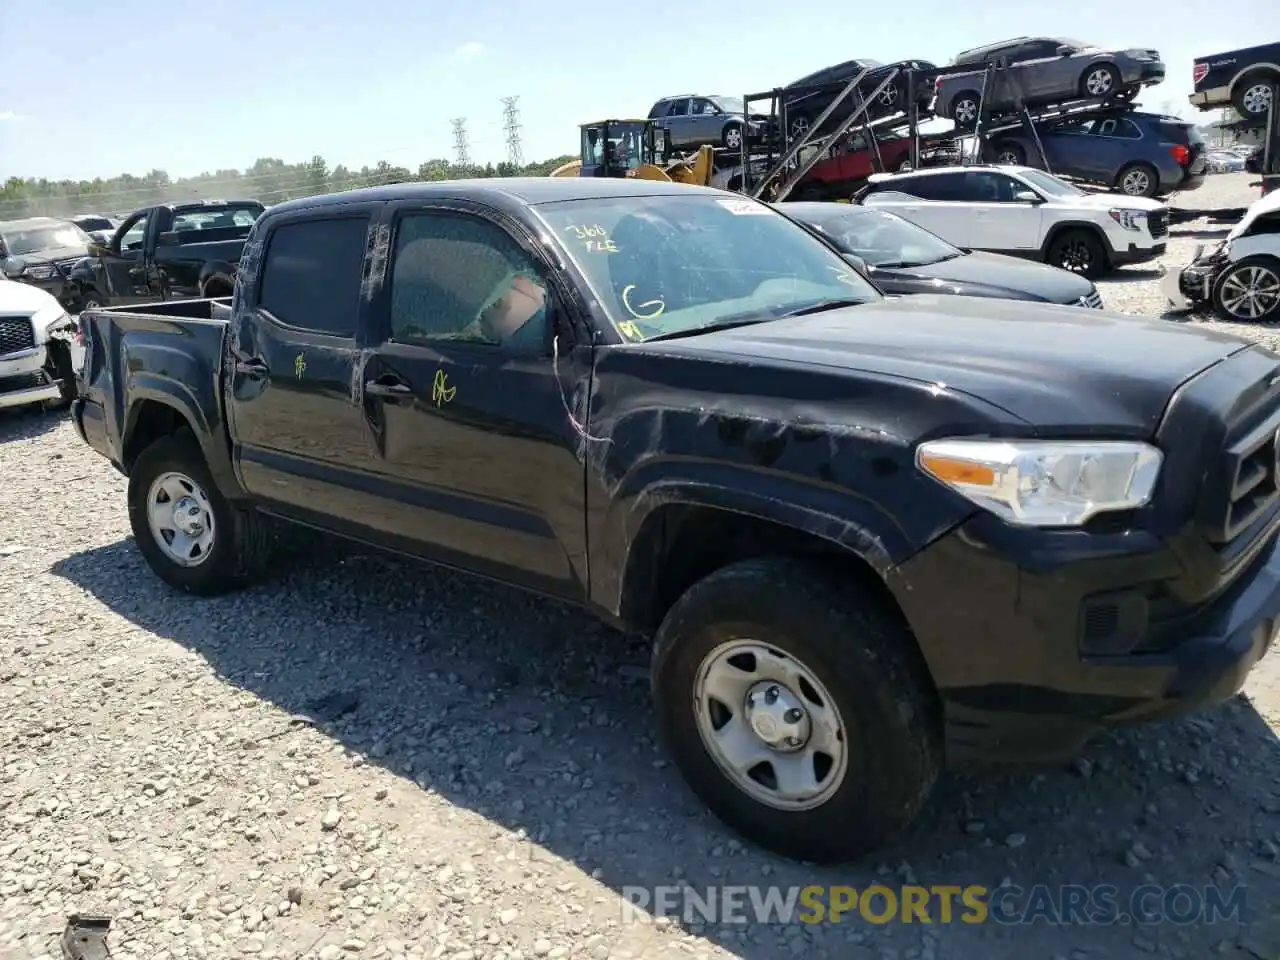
x=98, y=89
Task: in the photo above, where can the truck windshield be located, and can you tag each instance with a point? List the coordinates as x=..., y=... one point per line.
x=21, y=243
x=664, y=264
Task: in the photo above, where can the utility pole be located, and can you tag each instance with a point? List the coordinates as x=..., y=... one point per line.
x=511, y=125
x=461, y=147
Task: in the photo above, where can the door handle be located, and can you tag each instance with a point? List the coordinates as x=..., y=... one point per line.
x=252, y=368
x=377, y=388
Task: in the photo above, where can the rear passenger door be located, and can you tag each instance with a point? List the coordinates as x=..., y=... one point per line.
x=933, y=203
x=299, y=440
x=479, y=460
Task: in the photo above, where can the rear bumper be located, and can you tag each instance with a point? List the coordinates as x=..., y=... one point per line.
x=1213, y=97
x=1006, y=650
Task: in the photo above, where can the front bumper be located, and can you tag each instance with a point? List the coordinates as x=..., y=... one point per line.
x=1002, y=616
x=1135, y=254
x=1192, y=287
x=1151, y=73
x=23, y=379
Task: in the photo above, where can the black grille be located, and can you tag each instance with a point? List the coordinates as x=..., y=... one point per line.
x=1158, y=222
x=16, y=333
x=1250, y=472
x=24, y=381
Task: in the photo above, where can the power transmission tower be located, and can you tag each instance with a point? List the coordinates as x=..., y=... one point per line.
x=511, y=125
x=461, y=147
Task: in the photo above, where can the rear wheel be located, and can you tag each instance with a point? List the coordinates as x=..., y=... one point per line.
x=1252, y=94
x=797, y=708
x=964, y=109
x=185, y=529
x=1079, y=251
x=1249, y=291
x=1100, y=80
x=1138, y=180
x=1011, y=153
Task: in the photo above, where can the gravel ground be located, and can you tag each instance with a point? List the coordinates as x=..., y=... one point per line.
x=369, y=758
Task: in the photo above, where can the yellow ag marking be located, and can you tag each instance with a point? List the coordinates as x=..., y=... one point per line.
x=626, y=302
x=629, y=330
x=441, y=392
x=299, y=365
x=845, y=277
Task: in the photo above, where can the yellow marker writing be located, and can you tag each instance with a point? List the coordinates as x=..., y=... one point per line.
x=441, y=392
x=630, y=330
x=653, y=314
x=299, y=365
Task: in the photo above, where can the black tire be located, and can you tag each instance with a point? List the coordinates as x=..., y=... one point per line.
x=1264, y=273
x=1095, y=75
x=1138, y=180
x=866, y=658
x=731, y=136
x=1079, y=251
x=1251, y=94
x=63, y=371
x=242, y=541
x=1011, y=153
x=965, y=109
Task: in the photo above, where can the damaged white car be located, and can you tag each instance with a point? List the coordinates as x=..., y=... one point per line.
x=40, y=349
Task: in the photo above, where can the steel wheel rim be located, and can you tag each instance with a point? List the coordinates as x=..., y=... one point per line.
x=733, y=138
x=1257, y=98
x=773, y=713
x=799, y=126
x=1135, y=183
x=1008, y=156
x=965, y=111
x=1251, y=292
x=180, y=518
x=1098, y=82
x=1076, y=256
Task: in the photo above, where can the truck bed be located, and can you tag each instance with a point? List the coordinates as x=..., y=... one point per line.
x=170, y=352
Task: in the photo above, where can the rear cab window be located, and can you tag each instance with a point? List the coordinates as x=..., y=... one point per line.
x=311, y=275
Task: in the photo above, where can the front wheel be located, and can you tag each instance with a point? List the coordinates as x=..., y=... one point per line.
x=1101, y=80
x=731, y=138
x=797, y=709
x=1079, y=251
x=1249, y=291
x=186, y=530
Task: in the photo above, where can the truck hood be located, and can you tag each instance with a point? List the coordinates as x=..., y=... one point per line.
x=1058, y=368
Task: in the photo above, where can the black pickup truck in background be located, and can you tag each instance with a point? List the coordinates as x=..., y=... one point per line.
x=176, y=251
x=1238, y=78
x=869, y=536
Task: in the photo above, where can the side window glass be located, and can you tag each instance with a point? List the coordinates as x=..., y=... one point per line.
x=1126, y=129
x=936, y=187
x=311, y=277
x=986, y=187
x=132, y=240
x=456, y=277
x=679, y=109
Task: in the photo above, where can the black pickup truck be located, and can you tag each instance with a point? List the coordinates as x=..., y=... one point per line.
x=869, y=536
x=1242, y=79
x=175, y=251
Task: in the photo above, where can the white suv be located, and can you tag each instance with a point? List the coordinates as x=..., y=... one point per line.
x=1026, y=213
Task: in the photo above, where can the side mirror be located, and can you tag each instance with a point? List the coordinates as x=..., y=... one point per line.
x=858, y=264
x=13, y=267
x=96, y=248
x=1065, y=51
x=1027, y=196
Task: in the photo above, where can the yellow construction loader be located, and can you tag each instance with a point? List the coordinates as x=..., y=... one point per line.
x=635, y=148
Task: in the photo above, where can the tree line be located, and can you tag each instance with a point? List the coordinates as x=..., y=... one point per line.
x=270, y=180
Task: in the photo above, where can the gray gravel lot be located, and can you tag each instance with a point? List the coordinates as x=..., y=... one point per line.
x=494, y=785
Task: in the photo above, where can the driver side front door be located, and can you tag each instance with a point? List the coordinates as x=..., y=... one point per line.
x=124, y=263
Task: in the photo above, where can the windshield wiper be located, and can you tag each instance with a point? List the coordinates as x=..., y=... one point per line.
x=822, y=306
x=726, y=323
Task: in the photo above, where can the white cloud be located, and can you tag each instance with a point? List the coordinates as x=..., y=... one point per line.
x=472, y=49
x=10, y=115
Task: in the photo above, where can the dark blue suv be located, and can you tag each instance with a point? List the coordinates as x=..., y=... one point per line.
x=1139, y=154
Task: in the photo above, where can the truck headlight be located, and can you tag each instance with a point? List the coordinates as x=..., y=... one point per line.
x=1045, y=483
x=1129, y=219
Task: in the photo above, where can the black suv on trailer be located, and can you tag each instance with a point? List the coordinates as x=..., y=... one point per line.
x=869, y=535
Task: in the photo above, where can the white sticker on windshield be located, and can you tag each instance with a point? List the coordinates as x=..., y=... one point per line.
x=744, y=208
